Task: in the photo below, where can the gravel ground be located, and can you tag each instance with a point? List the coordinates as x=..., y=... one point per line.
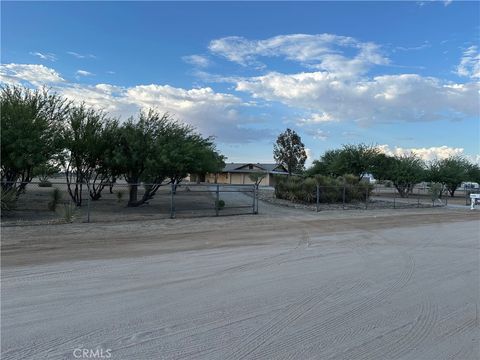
x=286, y=284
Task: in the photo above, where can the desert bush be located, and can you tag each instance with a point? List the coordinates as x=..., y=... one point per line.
x=56, y=196
x=45, y=183
x=69, y=212
x=220, y=204
x=435, y=191
x=304, y=190
x=120, y=195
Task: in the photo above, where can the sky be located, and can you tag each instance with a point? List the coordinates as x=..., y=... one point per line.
x=403, y=76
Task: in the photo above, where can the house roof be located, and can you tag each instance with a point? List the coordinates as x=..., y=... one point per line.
x=244, y=167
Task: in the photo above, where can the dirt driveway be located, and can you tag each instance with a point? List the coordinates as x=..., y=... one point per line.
x=288, y=284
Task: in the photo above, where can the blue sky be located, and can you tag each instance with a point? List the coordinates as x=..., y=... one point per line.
x=401, y=75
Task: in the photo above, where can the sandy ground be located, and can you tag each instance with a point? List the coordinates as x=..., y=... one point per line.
x=286, y=284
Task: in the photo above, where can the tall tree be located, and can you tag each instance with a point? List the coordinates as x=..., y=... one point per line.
x=157, y=150
x=135, y=150
x=356, y=160
x=289, y=151
x=105, y=171
x=450, y=172
x=30, y=137
x=473, y=173
x=82, y=143
x=404, y=172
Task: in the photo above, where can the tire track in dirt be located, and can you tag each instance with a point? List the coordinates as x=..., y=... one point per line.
x=333, y=322
x=393, y=345
x=282, y=321
x=422, y=327
x=38, y=350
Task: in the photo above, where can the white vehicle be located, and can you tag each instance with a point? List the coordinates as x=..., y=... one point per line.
x=469, y=185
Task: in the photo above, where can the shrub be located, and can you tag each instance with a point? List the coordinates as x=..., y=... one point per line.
x=45, y=183
x=56, y=196
x=119, y=195
x=435, y=191
x=220, y=204
x=296, y=189
x=69, y=212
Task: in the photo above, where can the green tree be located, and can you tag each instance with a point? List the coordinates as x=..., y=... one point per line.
x=356, y=159
x=157, y=150
x=102, y=158
x=179, y=151
x=473, y=173
x=290, y=151
x=134, y=151
x=30, y=138
x=257, y=177
x=450, y=172
x=404, y=172
x=350, y=159
x=326, y=165
x=82, y=144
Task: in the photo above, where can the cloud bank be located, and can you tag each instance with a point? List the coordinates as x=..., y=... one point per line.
x=212, y=113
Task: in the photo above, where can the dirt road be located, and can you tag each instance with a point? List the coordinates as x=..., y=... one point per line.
x=290, y=285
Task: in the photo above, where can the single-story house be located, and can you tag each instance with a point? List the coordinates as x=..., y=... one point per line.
x=238, y=173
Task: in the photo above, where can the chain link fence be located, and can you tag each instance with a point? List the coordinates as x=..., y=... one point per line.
x=351, y=197
x=52, y=202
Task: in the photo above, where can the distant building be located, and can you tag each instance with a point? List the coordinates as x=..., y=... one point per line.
x=238, y=173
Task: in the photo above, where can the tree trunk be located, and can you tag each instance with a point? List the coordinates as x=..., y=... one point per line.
x=133, y=193
x=149, y=193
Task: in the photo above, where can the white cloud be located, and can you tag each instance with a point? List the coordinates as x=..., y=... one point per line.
x=322, y=51
x=318, y=134
x=44, y=56
x=340, y=88
x=316, y=119
x=470, y=63
x=197, y=60
x=212, y=113
x=425, y=45
x=426, y=154
x=32, y=73
x=447, y=2
x=81, y=56
x=83, y=73
x=387, y=98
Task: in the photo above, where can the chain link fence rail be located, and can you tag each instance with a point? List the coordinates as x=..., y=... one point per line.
x=351, y=197
x=52, y=202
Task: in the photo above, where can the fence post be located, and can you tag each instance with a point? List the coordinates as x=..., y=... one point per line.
x=366, y=197
x=343, y=198
x=172, y=201
x=88, y=208
x=217, y=202
x=394, y=197
x=318, y=197
x=254, y=193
